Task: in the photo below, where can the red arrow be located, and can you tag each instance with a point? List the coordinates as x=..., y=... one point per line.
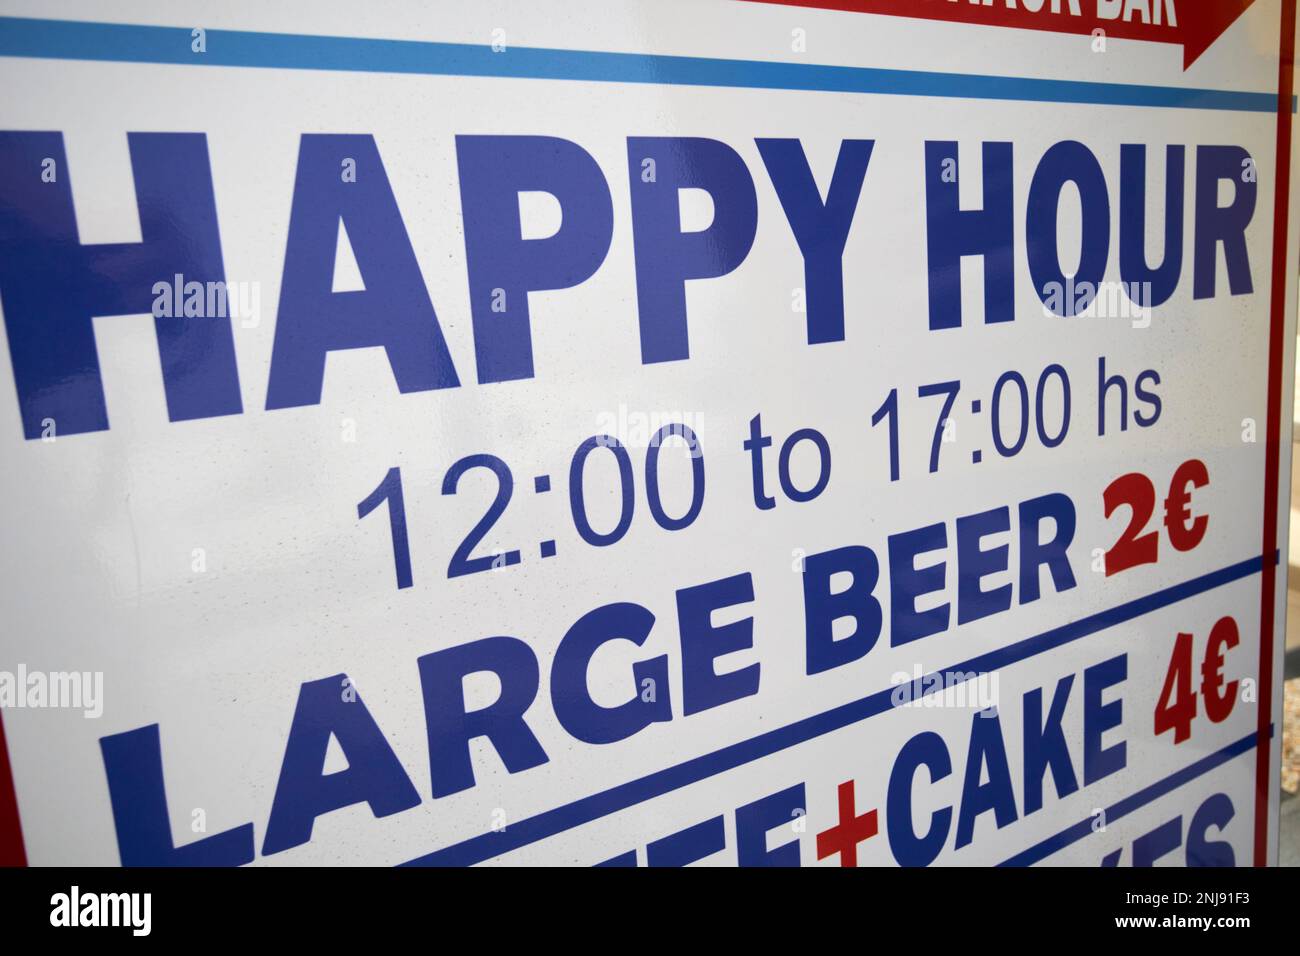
x=1195, y=24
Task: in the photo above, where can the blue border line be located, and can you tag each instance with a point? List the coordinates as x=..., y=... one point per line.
x=585, y=810
x=132, y=43
x=1135, y=801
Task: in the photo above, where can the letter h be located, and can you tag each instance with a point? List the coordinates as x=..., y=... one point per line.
x=52, y=285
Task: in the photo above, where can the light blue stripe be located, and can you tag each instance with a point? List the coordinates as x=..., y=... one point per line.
x=129, y=43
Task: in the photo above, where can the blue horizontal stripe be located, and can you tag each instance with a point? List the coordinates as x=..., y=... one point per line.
x=550, y=822
x=131, y=43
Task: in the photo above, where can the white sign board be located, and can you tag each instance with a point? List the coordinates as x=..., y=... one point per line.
x=644, y=433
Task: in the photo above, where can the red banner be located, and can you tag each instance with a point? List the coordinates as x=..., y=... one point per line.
x=1194, y=26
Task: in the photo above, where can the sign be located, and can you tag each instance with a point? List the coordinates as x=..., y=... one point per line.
x=735, y=433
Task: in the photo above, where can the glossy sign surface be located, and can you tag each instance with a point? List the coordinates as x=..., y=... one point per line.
x=642, y=434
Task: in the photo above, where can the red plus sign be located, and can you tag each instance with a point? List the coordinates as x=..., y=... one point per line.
x=849, y=832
